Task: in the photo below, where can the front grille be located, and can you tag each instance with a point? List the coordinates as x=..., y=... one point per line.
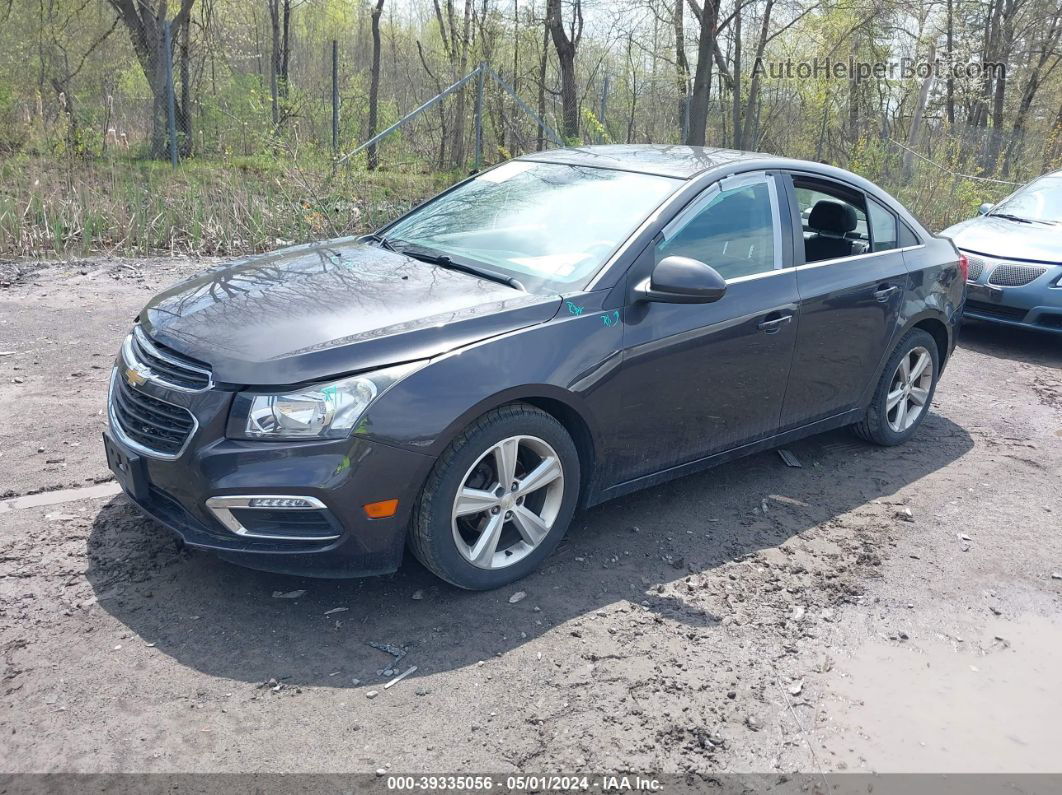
x=154, y=424
x=169, y=367
x=1014, y=275
x=995, y=310
x=1050, y=320
x=977, y=267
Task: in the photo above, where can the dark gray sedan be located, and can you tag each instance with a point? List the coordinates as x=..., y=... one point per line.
x=1015, y=254
x=565, y=328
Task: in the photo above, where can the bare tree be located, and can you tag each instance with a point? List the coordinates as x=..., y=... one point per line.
x=456, y=43
x=374, y=83
x=146, y=24
x=1047, y=60
x=707, y=16
x=566, y=43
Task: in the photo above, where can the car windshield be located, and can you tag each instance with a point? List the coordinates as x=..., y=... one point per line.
x=550, y=226
x=1040, y=200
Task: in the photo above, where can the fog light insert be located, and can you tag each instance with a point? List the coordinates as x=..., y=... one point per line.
x=279, y=502
x=278, y=517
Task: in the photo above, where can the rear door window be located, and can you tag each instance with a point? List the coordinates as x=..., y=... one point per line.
x=833, y=220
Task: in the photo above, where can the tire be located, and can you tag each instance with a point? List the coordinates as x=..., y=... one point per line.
x=881, y=424
x=446, y=542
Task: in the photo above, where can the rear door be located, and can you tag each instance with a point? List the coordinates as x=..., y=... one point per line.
x=851, y=289
x=698, y=379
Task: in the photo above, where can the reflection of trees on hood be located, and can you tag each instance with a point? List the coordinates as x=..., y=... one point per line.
x=323, y=280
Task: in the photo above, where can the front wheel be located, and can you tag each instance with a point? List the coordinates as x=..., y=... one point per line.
x=498, y=500
x=903, y=395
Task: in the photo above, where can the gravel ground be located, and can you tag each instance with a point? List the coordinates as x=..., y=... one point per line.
x=876, y=609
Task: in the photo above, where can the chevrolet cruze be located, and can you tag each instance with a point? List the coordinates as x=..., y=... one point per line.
x=562, y=329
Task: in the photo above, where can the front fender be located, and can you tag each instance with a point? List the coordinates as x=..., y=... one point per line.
x=568, y=360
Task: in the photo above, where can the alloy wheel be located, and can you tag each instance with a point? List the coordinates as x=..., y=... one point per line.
x=507, y=502
x=909, y=390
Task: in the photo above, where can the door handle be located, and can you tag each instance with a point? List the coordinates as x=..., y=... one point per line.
x=883, y=294
x=773, y=324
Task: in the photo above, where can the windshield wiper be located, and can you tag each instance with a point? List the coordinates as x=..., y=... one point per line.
x=433, y=257
x=1019, y=218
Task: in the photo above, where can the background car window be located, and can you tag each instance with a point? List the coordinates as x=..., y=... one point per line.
x=1040, y=200
x=882, y=227
x=734, y=233
x=834, y=225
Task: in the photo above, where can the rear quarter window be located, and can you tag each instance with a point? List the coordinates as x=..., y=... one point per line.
x=908, y=236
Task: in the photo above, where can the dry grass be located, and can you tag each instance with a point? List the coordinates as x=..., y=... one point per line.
x=72, y=208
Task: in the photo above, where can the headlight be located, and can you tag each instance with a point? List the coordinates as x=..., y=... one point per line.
x=320, y=411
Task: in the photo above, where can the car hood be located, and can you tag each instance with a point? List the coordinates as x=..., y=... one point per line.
x=998, y=237
x=326, y=309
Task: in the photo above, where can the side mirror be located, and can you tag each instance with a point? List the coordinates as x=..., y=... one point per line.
x=681, y=280
x=984, y=208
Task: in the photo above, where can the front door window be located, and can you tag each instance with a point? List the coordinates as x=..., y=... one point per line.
x=731, y=228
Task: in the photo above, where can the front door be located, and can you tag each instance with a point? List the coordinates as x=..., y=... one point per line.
x=851, y=289
x=697, y=379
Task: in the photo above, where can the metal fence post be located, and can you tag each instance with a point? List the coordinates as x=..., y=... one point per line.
x=335, y=97
x=171, y=110
x=480, y=74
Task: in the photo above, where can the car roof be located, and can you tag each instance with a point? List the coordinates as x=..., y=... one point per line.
x=688, y=162
x=665, y=160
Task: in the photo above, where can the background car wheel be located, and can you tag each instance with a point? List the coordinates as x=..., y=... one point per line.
x=498, y=500
x=904, y=393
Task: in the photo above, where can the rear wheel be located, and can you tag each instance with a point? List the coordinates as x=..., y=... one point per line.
x=498, y=500
x=903, y=395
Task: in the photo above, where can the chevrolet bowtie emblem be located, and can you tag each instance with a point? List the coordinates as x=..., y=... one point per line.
x=134, y=376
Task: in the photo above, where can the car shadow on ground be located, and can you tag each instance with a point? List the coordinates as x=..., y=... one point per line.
x=225, y=621
x=1010, y=342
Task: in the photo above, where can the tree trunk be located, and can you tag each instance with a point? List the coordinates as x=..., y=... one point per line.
x=682, y=64
x=735, y=83
x=950, y=100
x=697, y=125
x=285, y=50
x=978, y=116
x=566, y=48
x=633, y=87
x=854, y=90
x=999, y=91
x=914, y=135
x=1053, y=147
x=274, y=62
x=540, y=143
x=458, y=147
x=374, y=84
x=751, y=127
x=509, y=137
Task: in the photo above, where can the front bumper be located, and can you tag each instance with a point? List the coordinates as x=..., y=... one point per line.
x=203, y=488
x=340, y=476
x=1036, y=305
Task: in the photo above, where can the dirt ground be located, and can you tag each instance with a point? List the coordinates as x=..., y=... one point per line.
x=877, y=609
